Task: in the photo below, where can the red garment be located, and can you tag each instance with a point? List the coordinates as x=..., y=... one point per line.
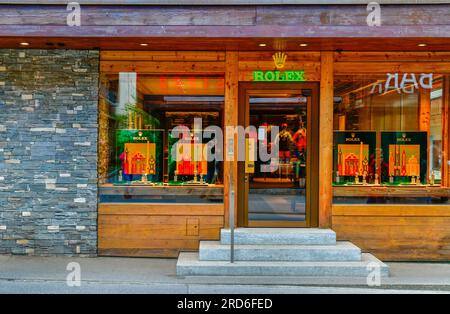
x=299, y=140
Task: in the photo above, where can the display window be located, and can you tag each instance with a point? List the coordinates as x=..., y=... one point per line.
x=141, y=147
x=387, y=145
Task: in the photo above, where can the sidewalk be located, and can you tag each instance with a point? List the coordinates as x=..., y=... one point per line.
x=21, y=274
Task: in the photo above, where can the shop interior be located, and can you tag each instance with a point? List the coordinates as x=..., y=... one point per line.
x=277, y=187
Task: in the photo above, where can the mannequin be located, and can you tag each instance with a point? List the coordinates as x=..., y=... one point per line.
x=284, y=141
x=299, y=139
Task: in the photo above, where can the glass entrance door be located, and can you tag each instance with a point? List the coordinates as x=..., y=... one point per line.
x=277, y=178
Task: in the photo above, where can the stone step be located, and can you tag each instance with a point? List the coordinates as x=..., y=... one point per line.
x=281, y=236
x=342, y=251
x=189, y=265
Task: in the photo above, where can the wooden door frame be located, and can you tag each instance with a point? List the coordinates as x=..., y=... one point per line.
x=312, y=168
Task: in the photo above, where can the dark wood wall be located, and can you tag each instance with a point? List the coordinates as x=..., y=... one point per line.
x=230, y=27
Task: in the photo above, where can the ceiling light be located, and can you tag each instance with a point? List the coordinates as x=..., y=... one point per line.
x=24, y=44
x=262, y=45
x=144, y=44
x=303, y=45
x=422, y=45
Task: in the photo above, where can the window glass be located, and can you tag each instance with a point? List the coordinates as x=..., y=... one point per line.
x=153, y=132
x=388, y=139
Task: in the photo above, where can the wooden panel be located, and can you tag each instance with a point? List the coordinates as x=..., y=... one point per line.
x=391, y=210
x=292, y=56
x=192, y=226
x=396, y=232
x=326, y=140
x=159, y=209
x=139, y=242
x=156, y=230
x=159, y=227
x=149, y=67
x=162, y=55
x=160, y=221
x=161, y=253
x=345, y=68
x=207, y=191
x=413, y=56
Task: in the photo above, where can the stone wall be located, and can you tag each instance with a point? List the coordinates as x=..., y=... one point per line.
x=48, y=151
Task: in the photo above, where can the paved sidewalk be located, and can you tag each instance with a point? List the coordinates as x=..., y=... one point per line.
x=21, y=274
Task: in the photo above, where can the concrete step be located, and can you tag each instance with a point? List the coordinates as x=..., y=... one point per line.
x=189, y=265
x=280, y=236
x=342, y=251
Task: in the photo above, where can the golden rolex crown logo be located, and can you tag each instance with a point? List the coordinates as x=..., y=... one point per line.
x=353, y=134
x=140, y=134
x=404, y=135
x=279, y=58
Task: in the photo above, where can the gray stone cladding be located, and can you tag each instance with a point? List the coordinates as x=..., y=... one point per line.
x=48, y=151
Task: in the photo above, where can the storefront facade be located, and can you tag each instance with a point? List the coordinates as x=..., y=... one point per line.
x=88, y=119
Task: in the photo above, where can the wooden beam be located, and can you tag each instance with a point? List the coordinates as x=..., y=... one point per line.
x=344, y=68
x=160, y=56
x=230, y=119
x=445, y=131
x=340, y=33
x=424, y=119
x=165, y=209
x=326, y=140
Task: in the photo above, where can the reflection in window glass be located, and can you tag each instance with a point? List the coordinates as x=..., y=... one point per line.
x=137, y=116
x=387, y=137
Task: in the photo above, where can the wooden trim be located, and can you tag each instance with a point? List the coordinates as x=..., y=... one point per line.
x=390, y=191
x=326, y=139
x=424, y=109
x=180, y=209
x=410, y=56
x=424, y=120
x=445, y=131
x=358, y=67
x=293, y=58
x=391, y=210
x=203, y=191
x=230, y=119
x=312, y=197
x=155, y=67
x=138, y=252
x=184, y=56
